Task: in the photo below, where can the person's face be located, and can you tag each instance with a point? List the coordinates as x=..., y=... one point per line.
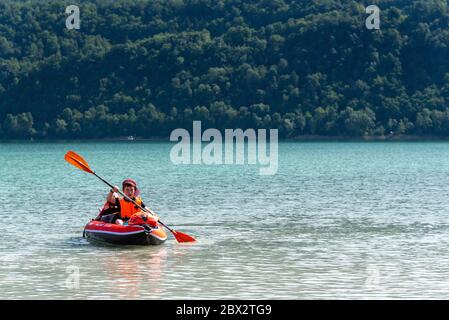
x=129, y=190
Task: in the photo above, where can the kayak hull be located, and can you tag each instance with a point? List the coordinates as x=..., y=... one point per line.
x=124, y=234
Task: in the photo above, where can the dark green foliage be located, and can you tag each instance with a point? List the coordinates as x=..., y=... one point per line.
x=146, y=67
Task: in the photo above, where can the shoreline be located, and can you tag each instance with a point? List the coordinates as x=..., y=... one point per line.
x=305, y=138
x=392, y=138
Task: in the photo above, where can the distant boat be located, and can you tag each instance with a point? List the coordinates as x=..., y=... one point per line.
x=130, y=138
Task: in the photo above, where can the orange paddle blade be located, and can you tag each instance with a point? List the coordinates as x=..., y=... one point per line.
x=75, y=159
x=182, y=237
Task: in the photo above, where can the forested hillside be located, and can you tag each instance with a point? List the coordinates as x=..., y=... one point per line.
x=144, y=68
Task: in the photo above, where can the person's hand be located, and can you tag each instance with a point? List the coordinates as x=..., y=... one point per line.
x=115, y=189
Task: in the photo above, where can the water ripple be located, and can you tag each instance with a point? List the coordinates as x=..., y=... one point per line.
x=339, y=220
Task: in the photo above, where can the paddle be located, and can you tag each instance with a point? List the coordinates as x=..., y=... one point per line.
x=78, y=161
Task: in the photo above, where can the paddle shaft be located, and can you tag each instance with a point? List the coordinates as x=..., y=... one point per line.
x=128, y=198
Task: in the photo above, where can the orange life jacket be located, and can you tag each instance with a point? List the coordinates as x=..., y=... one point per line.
x=127, y=208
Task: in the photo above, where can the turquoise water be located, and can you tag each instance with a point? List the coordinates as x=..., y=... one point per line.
x=338, y=220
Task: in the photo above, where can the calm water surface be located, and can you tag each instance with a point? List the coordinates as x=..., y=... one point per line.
x=338, y=220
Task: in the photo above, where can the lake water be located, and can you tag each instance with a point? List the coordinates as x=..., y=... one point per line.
x=338, y=220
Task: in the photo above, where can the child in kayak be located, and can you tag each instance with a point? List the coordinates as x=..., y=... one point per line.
x=121, y=208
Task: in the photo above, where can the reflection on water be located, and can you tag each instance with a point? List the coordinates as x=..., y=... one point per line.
x=133, y=271
x=339, y=220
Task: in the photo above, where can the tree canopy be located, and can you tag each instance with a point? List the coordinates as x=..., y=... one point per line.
x=144, y=68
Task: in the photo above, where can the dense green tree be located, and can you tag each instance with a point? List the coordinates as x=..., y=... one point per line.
x=20, y=126
x=146, y=67
x=358, y=122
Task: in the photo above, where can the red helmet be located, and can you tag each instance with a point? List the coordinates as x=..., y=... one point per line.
x=133, y=183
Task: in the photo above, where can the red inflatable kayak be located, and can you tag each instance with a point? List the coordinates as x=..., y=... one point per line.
x=137, y=231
